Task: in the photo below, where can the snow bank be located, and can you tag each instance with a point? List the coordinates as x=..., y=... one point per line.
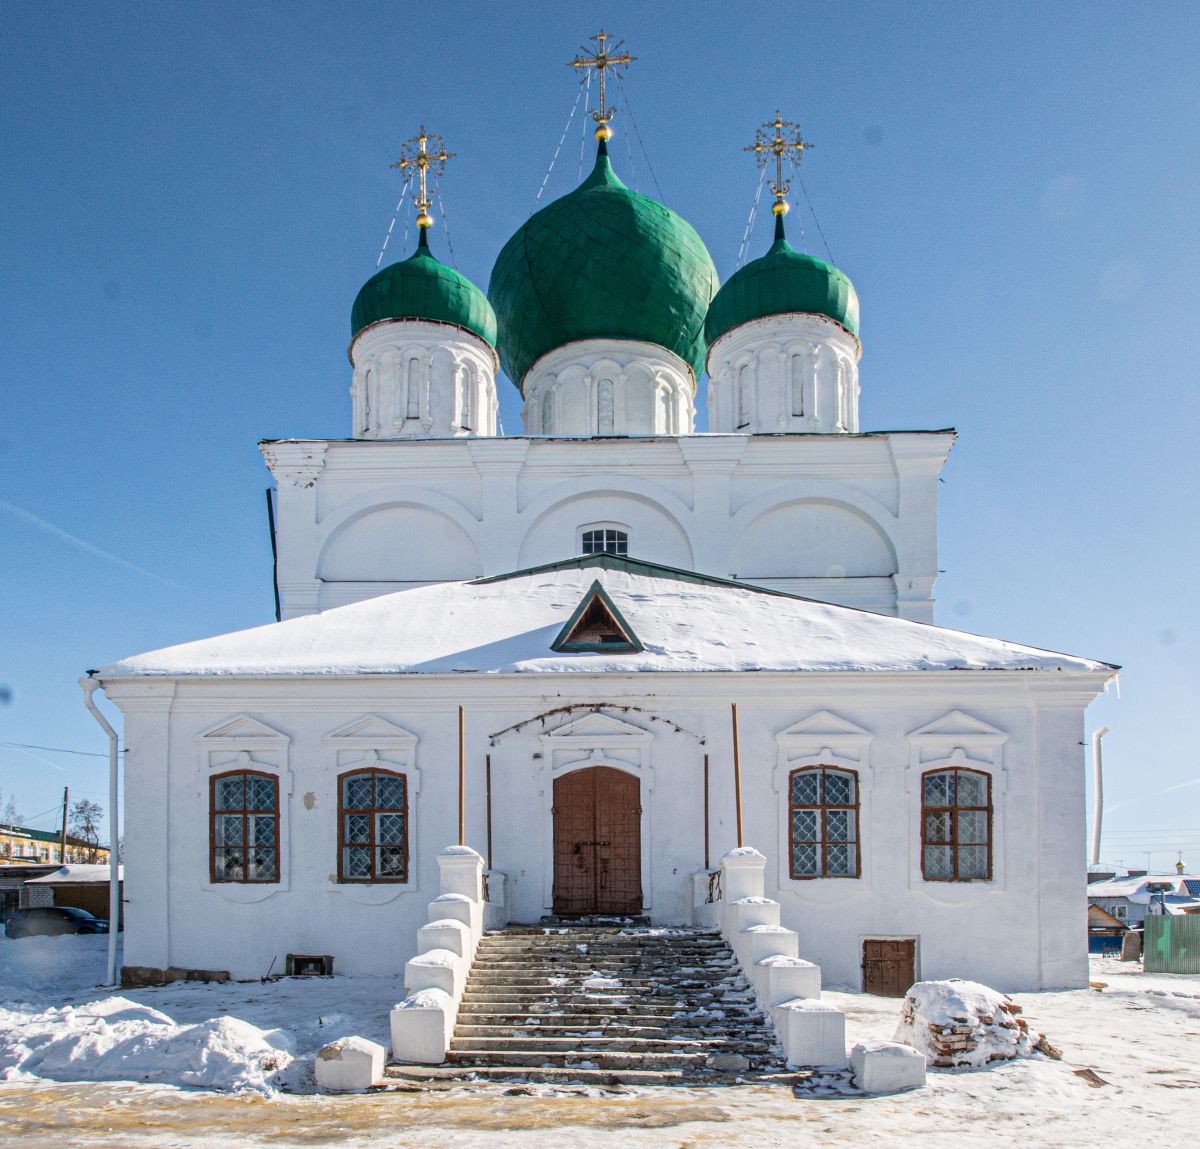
x=44, y=969
x=962, y=1024
x=116, y=1039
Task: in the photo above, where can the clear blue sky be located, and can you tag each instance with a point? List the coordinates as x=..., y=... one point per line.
x=192, y=196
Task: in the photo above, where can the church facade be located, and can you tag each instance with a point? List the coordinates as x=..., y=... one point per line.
x=609, y=650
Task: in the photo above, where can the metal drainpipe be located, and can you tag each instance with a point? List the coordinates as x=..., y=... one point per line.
x=1098, y=793
x=90, y=685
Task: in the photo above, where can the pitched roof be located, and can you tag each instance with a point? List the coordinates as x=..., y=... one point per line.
x=686, y=623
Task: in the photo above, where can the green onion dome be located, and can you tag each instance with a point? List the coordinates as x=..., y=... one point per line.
x=602, y=262
x=422, y=287
x=782, y=282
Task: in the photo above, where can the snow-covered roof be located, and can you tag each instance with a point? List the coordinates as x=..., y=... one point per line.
x=73, y=874
x=1135, y=888
x=506, y=624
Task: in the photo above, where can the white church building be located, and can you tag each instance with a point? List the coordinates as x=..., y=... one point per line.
x=606, y=652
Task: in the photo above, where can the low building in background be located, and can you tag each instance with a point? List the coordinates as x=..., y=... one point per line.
x=24, y=845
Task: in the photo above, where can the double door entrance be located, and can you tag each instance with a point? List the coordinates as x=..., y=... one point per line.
x=597, y=842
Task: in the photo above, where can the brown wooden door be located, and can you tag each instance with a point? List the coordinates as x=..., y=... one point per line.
x=597, y=842
x=889, y=966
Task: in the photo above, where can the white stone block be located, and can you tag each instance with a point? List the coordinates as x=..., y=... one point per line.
x=789, y=977
x=353, y=1063
x=495, y=908
x=770, y=941
x=812, y=1032
x=705, y=907
x=459, y=907
x=446, y=934
x=461, y=872
x=435, y=969
x=755, y=912
x=422, y=1025
x=742, y=874
x=887, y=1067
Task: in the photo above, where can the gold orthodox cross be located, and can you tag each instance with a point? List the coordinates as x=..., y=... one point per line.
x=778, y=138
x=415, y=153
x=603, y=57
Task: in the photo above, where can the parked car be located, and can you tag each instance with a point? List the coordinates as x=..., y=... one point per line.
x=49, y=920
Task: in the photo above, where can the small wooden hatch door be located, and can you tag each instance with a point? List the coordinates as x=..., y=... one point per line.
x=597, y=842
x=889, y=966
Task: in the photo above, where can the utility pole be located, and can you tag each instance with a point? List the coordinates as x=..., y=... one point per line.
x=63, y=849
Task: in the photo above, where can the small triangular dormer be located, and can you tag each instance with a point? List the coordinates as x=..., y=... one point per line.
x=596, y=627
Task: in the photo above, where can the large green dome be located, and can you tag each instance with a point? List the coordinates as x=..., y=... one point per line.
x=422, y=287
x=782, y=282
x=602, y=262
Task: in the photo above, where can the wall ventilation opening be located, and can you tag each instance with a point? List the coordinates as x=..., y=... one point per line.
x=597, y=627
x=308, y=965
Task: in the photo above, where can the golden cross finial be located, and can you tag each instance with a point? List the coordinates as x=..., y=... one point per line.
x=416, y=153
x=778, y=138
x=602, y=57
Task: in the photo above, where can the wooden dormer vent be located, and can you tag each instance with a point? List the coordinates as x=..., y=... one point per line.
x=596, y=627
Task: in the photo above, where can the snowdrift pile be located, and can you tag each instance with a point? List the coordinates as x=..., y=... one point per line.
x=116, y=1039
x=964, y=1025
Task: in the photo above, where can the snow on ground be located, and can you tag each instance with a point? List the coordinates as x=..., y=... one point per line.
x=1131, y=1067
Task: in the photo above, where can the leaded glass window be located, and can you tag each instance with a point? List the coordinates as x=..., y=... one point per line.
x=956, y=826
x=372, y=827
x=244, y=812
x=605, y=540
x=823, y=823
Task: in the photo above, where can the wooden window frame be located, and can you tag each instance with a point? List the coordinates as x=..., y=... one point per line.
x=213, y=874
x=953, y=811
x=823, y=808
x=620, y=539
x=344, y=810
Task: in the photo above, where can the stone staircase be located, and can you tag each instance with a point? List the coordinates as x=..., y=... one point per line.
x=608, y=1004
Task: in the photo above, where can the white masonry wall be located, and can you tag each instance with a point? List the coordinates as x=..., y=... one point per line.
x=1025, y=929
x=849, y=519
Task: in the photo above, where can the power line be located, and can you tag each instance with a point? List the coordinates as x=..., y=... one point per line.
x=53, y=749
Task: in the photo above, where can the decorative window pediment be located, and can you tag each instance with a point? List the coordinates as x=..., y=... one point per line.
x=596, y=627
x=246, y=732
x=371, y=731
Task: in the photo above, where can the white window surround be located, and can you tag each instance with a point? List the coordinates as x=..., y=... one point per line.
x=244, y=743
x=957, y=740
x=366, y=743
x=597, y=739
x=824, y=739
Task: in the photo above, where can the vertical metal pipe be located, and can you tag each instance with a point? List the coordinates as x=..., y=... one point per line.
x=1098, y=794
x=706, y=853
x=737, y=775
x=90, y=685
x=488, y=774
x=62, y=851
x=274, y=554
x=462, y=781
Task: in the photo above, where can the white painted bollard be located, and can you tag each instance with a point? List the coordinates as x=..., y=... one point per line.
x=887, y=1067
x=771, y=941
x=812, y=1032
x=460, y=907
x=495, y=909
x=353, y=1063
x=787, y=978
x=446, y=934
x=755, y=912
x=742, y=874
x=422, y=1025
x=435, y=969
x=461, y=872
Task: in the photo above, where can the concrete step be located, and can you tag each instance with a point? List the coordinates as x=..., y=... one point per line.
x=586, y=1045
x=538, y=1059
x=441, y=1076
x=632, y=1032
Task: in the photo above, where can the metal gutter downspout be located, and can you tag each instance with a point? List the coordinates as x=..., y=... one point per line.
x=90, y=685
x=1097, y=793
